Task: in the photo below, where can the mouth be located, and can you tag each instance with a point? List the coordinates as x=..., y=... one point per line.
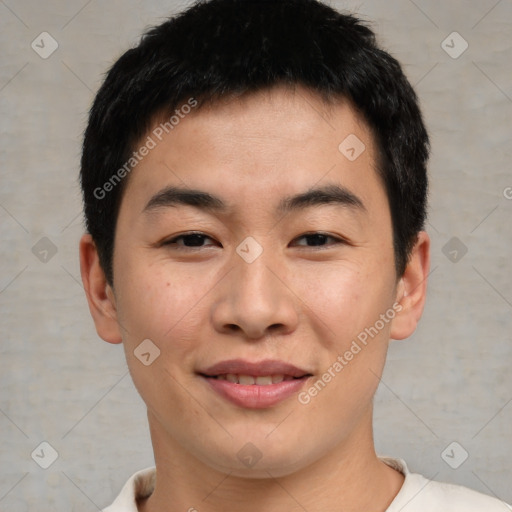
x=253, y=380
x=254, y=385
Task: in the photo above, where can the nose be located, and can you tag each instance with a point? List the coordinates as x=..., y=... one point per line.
x=254, y=300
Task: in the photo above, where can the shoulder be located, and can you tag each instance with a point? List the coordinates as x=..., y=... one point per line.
x=140, y=485
x=419, y=494
x=455, y=498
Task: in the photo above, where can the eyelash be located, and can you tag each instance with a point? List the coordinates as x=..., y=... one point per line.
x=172, y=241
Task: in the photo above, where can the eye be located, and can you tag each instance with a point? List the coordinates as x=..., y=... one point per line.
x=195, y=240
x=318, y=239
x=190, y=241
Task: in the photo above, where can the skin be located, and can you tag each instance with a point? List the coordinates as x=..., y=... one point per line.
x=296, y=302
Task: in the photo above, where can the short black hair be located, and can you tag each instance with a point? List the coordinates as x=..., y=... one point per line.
x=222, y=48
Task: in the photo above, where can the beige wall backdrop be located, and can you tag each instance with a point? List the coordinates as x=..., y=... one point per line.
x=64, y=387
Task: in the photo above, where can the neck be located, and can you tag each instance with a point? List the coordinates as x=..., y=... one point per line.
x=350, y=475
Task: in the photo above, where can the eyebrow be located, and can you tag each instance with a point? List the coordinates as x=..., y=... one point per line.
x=329, y=194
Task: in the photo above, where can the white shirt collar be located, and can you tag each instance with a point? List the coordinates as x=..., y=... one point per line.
x=410, y=497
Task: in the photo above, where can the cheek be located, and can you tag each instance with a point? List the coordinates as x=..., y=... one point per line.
x=354, y=339
x=161, y=305
x=345, y=298
x=166, y=308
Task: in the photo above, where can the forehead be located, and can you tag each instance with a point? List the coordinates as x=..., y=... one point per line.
x=252, y=149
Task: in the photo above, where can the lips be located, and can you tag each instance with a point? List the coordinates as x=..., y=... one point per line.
x=258, y=380
x=255, y=369
x=255, y=385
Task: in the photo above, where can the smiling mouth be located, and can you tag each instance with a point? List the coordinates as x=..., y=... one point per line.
x=255, y=384
x=255, y=391
x=254, y=380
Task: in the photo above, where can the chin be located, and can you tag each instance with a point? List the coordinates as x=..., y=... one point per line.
x=265, y=462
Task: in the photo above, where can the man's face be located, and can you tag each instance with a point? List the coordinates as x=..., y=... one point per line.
x=294, y=286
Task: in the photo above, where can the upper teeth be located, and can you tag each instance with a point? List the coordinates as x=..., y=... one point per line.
x=263, y=380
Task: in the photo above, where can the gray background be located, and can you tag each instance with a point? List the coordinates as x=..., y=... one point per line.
x=60, y=383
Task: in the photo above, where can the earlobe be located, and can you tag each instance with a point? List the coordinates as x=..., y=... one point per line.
x=412, y=289
x=100, y=295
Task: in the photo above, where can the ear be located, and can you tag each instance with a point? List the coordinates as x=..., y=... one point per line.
x=100, y=294
x=412, y=289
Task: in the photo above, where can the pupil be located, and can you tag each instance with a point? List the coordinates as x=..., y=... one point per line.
x=317, y=238
x=195, y=239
